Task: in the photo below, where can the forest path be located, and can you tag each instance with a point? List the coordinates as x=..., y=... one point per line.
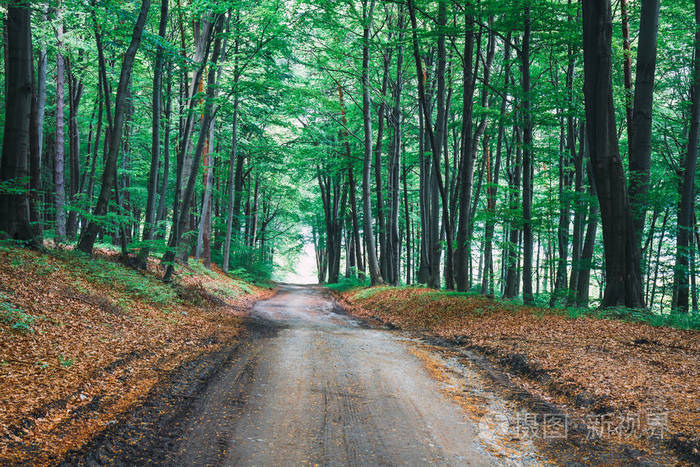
x=322, y=389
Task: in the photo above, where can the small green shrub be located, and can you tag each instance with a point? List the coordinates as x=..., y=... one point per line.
x=199, y=268
x=347, y=283
x=16, y=318
x=65, y=361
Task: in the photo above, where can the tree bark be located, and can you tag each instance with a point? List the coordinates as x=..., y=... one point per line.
x=59, y=157
x=622, y=263
x=466, y=167
x=640, y=127
x=151, y=214
x=37, y=139
x=684, y=246
x=14, y=165
x=528, y=297
x=375, y=274
x=75, y=93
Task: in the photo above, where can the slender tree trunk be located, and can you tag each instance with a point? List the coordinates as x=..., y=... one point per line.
x=59, y=158
x=667, y=214
x=435, y=138
x=181, y=218
x=75, y=92
x=684, y=246
x=89, y=234
x=528, y=298
x=384, y=255
x=512, y=255
x=151, y=214
x=166, y=149
x=396, y=161
x=352, y=186
x=466, y=167
x=37, y=139
x=235, y=169
x=375, y=274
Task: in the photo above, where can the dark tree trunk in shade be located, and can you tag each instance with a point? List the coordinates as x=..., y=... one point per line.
x=152, y=187
x=466, y=167
x=640, y=126
x=685, y=251
x=528, y=297
x=37, y=139
x=14, y=165
x=623, y=285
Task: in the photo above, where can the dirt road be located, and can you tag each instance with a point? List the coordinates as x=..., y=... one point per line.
x=309, y=385
x=325, y=390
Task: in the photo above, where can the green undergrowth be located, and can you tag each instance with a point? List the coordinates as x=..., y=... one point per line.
x=687, y=321
x=106, y=272
x=17, y=319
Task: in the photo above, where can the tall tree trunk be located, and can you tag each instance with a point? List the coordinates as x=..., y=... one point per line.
x=204, y=228
x=181, y=217
x=640, y=127
x=684, y=246
x=435, y=138
x=75, y=93
x=166, y=149
x=579, y=218
x=37, y=138
x=59, y=157
x=396, y=162
x=511, y=283
x=14, y=165
x=627, y=66
x=487, y=283
x=375, y=274
x=528, y=298
x=89, y=234
x=384, y=256
x=235, y=169
x=151, y=214
x=466, y=167
x=622, y=263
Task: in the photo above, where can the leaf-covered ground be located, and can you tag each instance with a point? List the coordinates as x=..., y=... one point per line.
x=595, y=368
x=82, y=340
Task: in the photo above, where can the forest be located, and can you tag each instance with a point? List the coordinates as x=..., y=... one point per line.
x=537, y=150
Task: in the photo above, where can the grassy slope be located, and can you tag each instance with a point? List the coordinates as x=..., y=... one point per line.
x=82, y=340
x=589, y=364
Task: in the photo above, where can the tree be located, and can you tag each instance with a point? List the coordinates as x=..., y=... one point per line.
x=622, y=262
x=149, y=227
x=684, y=246
x=14, y=165
x=640, y=125
x=372, y=263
